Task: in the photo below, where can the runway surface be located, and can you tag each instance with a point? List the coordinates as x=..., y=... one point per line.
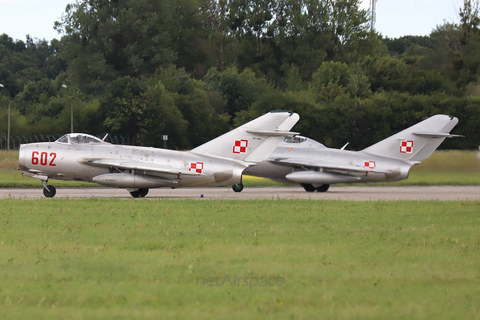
x=441, y=193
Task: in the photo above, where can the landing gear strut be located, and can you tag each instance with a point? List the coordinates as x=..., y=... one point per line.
x=237, y=187
x=48, y=191
x=140, y=193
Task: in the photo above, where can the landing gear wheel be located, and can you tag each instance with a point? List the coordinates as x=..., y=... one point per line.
x=308, y=187
x=143, y=192
x=50, y=192
x=140, y=193
x=237, y=187
x=323, y=188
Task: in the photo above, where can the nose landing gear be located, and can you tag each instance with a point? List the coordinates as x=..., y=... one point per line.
x=48, y=191
x=237, y=187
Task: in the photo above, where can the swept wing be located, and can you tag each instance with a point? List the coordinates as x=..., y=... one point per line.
x=136, y=165
x=325, y=165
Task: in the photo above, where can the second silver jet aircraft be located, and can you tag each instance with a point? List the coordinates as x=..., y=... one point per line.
x=315, y=167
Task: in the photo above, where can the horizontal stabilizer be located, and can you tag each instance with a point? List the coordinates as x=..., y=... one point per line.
x=254, y=141
x=272, y=133
x=436, y=134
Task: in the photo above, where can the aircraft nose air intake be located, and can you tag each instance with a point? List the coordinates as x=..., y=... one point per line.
x=21, y=158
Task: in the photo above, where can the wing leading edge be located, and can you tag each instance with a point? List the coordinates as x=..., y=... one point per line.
x=310, y=163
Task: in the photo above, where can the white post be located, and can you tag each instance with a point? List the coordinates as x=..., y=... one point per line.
x=8, y=125
x=373, y=13
x=8, y=134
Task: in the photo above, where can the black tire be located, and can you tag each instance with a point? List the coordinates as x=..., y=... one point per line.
x=135, y=194
x=143, y=192
x=140, y=193
x=51, y=193
x=323, y=188
x=308, y=187
x=237, y=187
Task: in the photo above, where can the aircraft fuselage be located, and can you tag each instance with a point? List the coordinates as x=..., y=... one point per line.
x=331, y=158
x=70, y=162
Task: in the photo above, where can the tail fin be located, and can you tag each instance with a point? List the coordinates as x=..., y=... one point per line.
x=255, y=140
x=418, y=142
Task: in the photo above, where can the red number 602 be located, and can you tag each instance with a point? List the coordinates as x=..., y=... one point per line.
x=43, y=159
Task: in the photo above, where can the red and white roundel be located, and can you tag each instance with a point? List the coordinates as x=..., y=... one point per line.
x=406, y=146
x=196, y=166
x=369, y=164
x=240, y=146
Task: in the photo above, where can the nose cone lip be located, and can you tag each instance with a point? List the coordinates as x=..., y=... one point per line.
x=21, y=158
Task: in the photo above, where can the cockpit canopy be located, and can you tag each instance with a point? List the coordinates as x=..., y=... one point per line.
x=301, y=142
x=79, y=138
x=294, y=139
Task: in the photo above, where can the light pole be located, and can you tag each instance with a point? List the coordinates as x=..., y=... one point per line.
x=71, y=111
x=8, y=126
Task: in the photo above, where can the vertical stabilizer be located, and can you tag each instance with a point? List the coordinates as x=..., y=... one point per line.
x=255, y=140
x=417, y=142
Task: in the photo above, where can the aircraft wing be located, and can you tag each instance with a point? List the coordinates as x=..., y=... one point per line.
x=136, y=165
x=325, y=165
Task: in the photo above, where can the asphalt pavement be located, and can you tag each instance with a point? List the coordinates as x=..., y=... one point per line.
x=357, y=193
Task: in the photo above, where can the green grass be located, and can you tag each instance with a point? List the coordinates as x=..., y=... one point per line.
x=124, y=259
x=442, y=168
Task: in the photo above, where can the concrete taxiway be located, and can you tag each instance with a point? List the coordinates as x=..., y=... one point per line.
x=357, y=193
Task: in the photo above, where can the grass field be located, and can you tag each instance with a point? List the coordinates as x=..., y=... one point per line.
x=442, y=168
x=262, y=259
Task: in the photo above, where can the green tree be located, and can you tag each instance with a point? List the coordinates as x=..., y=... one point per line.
x=239, y=90
x=202, y=108
x=106, y=40
x=334, y=79
x=125, y=107
x=142, y=113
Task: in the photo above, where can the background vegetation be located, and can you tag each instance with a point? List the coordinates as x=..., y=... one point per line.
x=192, y=69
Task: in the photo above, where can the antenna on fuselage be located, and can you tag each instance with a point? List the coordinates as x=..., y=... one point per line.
x=105, y=137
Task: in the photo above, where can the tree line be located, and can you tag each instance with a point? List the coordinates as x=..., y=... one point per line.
x=193, y=69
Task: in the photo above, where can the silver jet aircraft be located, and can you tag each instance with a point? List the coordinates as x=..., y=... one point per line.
x=219, y=162
x=315, y=167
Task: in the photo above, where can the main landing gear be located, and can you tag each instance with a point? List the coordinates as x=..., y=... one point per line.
x=237, y=187
x=311, y=188
x=140, y=193
x=48, y=191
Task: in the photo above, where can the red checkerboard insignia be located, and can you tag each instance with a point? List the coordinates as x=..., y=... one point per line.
x=196, y=166
x=406, y=146
x=369, y=164
x=240, y=146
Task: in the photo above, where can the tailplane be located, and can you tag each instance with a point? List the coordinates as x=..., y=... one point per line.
x=417, y=142
x=254, y=141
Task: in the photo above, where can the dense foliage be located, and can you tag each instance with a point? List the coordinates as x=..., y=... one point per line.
x=192, y=69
